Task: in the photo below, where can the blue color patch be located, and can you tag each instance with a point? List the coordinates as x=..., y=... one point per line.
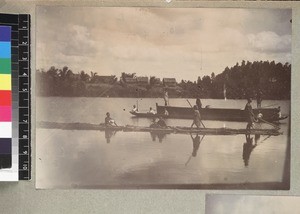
x=5, y=33
x=5, y=50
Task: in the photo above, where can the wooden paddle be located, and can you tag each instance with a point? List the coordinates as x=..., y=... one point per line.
x=192, y=108
x=275, y=126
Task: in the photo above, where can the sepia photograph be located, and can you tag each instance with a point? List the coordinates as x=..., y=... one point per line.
x=247, y=204
x=163, y=98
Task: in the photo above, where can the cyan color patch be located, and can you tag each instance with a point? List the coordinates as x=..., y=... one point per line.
x=5, y=50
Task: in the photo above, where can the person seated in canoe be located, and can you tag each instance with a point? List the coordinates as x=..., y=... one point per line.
x=159, y=124
x=197, y=117
x=279, y=112
x=151, y=111
x=134, y=109
x=109, y=121
x=250, y=117
x=259, y=115
x=166, y=113
x=199, y=103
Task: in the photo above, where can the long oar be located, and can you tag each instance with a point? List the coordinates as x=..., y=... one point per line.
x=275, y=126
x=192, y=107
x=270, y=105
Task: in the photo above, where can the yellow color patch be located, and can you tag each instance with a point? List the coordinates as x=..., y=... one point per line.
x=5, y=82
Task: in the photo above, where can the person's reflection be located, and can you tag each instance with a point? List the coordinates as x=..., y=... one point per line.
x=248, y=148
x=159, y=135
x=256, y=138
x=109, y=134
x=196, y=144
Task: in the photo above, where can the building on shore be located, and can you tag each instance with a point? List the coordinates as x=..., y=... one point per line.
x=105, y=79
x=142, y=81
x=130, y=80
x=169, y=82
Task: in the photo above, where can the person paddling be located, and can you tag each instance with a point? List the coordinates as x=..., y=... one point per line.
x=199, y=103
x=249, y=114
x=151, y=111
x=197, y=117
x=134, y=109
x=159, y=124
x=109, y=121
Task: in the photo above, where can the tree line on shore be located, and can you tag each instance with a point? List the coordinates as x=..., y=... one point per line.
x=237, y=82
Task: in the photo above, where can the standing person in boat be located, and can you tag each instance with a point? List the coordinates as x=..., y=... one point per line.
x=199, y=103
x=259, y=98
x=249, y=114
x=109, y=121
x=166, y=113
x=197, y=117
x=166, y=98
x=151, y=111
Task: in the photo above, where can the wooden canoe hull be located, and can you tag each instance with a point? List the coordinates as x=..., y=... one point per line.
x=269, y=114
x=168, y=130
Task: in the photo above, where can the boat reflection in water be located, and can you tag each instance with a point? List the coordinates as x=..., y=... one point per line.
x=249, y=146
x=252, y=141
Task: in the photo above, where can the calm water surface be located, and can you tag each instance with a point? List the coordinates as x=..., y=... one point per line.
x=93, y=158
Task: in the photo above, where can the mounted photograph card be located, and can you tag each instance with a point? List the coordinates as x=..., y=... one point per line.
x=247, y=204
x=189, y=98
x=15, y=121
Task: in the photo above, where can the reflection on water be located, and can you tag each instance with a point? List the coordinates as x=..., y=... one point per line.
x=109, y=134
x=159, y=135
x=196, y=144
x=248, y=148
x=80, y=158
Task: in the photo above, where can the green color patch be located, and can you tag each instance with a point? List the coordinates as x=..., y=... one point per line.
x=5, y=66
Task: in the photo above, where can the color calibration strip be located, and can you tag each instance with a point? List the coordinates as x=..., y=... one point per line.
x=20, y=92
x=5, y=98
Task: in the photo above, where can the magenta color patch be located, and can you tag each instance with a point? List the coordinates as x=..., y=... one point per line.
x=5, y=113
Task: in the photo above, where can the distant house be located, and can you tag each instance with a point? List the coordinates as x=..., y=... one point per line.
x=104, y=79
x=169, y=82
x=155, y=81
x=142, y=80
x=130, y=80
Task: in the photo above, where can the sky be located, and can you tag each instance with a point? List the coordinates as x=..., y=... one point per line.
x=237, y=204
x=183, y=43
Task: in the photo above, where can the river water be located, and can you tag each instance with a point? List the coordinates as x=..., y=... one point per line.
x=93, y=159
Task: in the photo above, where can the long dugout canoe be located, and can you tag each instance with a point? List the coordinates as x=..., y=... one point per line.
x=221, y=114
x=168, y=130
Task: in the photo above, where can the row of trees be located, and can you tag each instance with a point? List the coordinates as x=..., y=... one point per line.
x=237, y=82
